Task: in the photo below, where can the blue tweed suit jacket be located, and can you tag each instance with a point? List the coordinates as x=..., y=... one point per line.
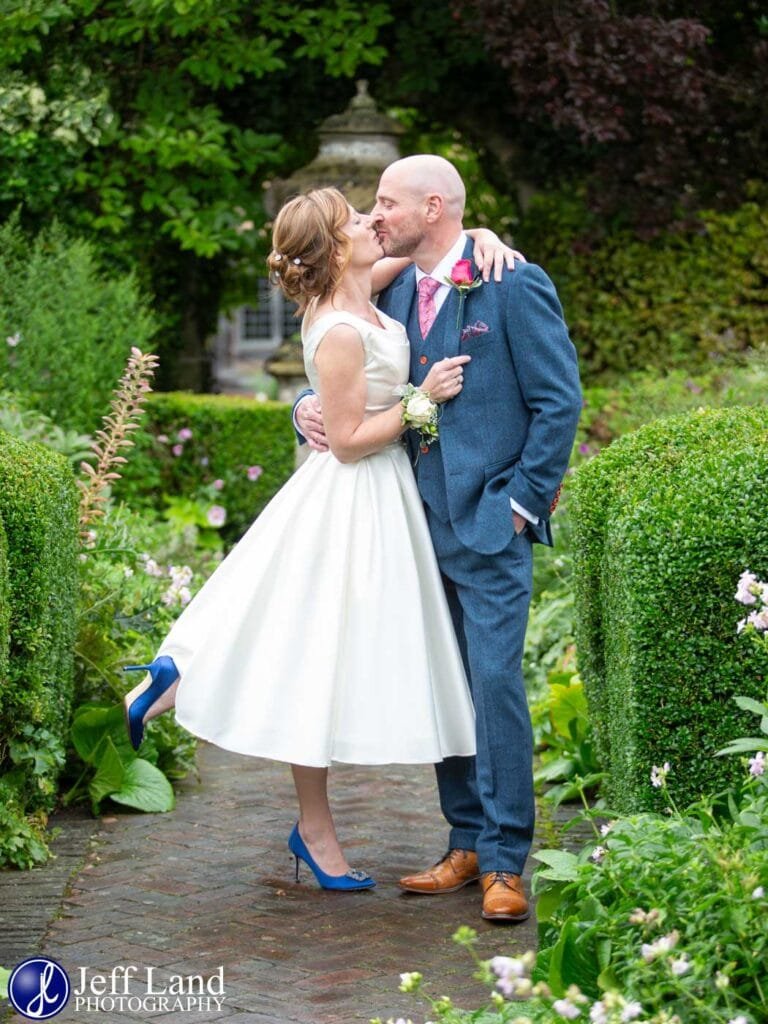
x=510, y=431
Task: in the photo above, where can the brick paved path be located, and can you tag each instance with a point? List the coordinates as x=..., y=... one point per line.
x=211, y=884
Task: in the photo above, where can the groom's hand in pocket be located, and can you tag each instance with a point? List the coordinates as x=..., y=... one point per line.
x=519, y=522
x=309, y=419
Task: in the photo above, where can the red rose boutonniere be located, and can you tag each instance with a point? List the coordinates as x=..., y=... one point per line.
x=463, y=281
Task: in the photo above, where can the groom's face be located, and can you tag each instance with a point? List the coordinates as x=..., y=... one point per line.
x=398, y=216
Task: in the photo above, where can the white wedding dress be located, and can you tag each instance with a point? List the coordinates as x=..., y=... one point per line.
x=325, y=634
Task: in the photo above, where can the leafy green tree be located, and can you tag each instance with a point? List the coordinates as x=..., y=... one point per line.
x=153, y=126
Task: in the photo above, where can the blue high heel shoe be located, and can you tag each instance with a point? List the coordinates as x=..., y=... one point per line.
x=352, y=881
x=163, y=673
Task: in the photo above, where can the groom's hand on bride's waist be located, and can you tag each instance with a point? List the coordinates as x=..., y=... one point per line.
x=308, y=418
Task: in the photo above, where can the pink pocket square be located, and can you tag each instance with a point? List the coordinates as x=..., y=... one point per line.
x=473, y=330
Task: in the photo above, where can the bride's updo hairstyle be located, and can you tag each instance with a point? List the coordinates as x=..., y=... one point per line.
x=309, y=249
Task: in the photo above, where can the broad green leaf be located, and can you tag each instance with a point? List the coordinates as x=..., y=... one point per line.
x=4, y=976
x=574, y=959
x=145, y=788
x=91, y=726
x=548, y=902
x=744, y=745
x=110, y=774
x=568, y=703
x=563, y=865
x=607, y=980
x=748, y=704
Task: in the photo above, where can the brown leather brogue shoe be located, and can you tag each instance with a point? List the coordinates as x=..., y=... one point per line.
x=503, y=897
x=456, y=869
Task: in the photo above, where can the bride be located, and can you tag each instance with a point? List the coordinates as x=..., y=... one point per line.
x=325, y=634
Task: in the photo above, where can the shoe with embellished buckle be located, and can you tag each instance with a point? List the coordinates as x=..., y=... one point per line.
x=503, y=897
x=352, y=881
x=455, y=870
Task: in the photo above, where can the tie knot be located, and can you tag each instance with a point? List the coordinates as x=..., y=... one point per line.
x=427, y=287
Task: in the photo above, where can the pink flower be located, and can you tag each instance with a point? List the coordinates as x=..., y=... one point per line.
x=757, y=764
x=13, y=339
x=184, y=434
x=217, y=515
x=254, y=472
x=218, y=484
x=461, y=272
x=177, y=449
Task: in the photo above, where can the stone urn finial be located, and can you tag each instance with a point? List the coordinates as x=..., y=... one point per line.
x=355, y=147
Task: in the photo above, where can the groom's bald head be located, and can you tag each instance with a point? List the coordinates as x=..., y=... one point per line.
x=424, y=175
x=419, y=205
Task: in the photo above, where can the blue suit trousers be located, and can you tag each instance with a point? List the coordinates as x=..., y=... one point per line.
x=488, y=799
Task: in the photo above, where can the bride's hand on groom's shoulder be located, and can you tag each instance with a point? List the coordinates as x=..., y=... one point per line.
x=309, y=419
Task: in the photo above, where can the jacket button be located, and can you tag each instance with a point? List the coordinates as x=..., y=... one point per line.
x=422, y=360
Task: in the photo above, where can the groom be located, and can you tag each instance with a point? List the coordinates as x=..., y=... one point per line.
x=487, y=486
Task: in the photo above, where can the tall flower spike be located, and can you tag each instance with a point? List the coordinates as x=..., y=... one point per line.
x=125, y=411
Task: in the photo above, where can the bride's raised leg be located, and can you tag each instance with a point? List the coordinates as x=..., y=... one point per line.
x=155, y=694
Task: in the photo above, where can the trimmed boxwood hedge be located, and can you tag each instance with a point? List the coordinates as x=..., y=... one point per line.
x=229, y=434
x=5, y=610
x=38, y=508
x=665, y=520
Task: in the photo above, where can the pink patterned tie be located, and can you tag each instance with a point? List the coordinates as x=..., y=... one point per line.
x=427, y=310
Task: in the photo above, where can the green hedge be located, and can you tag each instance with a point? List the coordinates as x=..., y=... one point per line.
x=672, y=301
x=665, y=521
x=229, y=435
x=38, y=507
x=5, y=609
x=73, y=325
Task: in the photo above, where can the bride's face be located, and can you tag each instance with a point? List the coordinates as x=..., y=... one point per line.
x=366, y=248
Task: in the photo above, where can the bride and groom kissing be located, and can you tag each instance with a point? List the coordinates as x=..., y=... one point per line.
x=376, y=610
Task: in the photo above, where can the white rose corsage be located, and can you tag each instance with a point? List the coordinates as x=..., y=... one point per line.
x=419, y=413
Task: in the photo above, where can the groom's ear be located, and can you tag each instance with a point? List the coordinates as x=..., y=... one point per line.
x=433, y=207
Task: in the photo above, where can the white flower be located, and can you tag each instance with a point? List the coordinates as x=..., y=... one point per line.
x=127, y=571
x=665, y=944
x=419, y=408
x=759, y=620
x=680, y=966
x=605, y=829
x=598, y=1013
x=631, y=1011
x=13, y=339
x=741, y=1019
x=758, y=893
x=745, y=593
x=757, y=764
x=566, y=1009
x=597, y=854
x=722, y=981
x=409, y=982
x=659, y=775
x=506, y=966
x=180, y=574
x=151, y=568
